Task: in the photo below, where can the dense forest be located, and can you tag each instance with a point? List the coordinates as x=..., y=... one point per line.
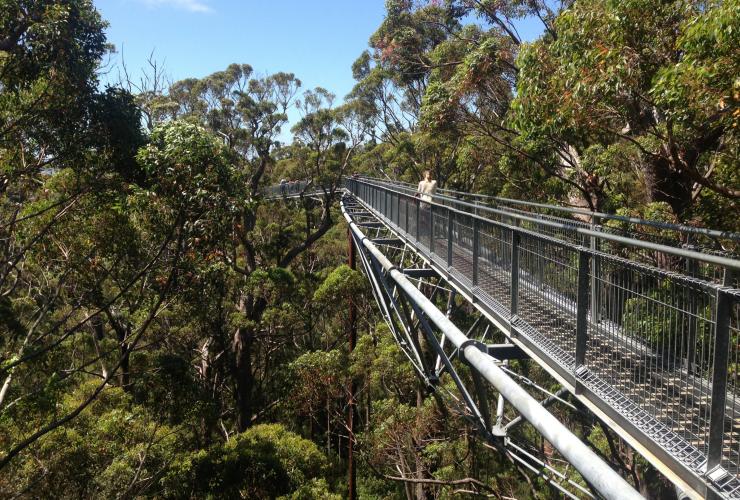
x=168, y=331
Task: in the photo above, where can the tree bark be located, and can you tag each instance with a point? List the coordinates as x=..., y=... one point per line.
x=243, y=346
x=122, y=333
x=244, y=377
x=664, y=184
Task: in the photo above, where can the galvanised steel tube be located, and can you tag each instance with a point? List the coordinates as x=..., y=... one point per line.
x=602, y=477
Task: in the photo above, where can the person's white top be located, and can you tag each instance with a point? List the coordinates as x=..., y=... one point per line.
x=427, y=189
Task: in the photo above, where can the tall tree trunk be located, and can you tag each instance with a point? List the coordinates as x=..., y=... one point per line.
x=123, y=333
x=420, y=491
x=98, y=334
x=125, y=377
x=242, y=346
x=205, y=375
x=328, y=426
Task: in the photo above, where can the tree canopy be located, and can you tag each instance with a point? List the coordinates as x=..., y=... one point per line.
x=168, y=331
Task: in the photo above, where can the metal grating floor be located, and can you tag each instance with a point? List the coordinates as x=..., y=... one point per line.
x=550, y=325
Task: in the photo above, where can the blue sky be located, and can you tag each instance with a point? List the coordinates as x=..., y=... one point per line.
x=318, y=40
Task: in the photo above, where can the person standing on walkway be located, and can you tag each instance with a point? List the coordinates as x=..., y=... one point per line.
x=425, y=191
x=427, y=188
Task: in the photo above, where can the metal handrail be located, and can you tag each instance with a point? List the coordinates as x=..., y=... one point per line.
x=680, y=331
x=723, y=262
x=681, y=228
x=599, y=474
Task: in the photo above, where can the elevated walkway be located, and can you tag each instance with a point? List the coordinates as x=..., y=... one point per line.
x=642, y=328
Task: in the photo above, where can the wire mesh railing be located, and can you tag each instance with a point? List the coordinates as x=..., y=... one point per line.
x=658, y=344
x=564, y=222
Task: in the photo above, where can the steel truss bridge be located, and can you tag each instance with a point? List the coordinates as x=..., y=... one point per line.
x=638, y=320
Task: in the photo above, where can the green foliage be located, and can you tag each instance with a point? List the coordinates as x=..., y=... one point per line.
x=168, y=385
x=271, y=284
x=341, y=283
x=249, y=112
x=704, y=86
x=655, y=319
x=146, y=263
x=188, y=164
x=315, y=489
x=656, y=81
x=649, y=322
x=378, y=359
x=266, y=461
x=322, y=375
x=49, y=102
x=116, y=446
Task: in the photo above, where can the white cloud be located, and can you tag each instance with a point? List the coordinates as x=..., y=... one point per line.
x=189, y=5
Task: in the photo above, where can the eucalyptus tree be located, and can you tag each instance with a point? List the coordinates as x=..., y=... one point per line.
x=652, y=84
x=462, y=131
x=596, y=116
x=441, y=88
x=325, y=141
x=392, y=81
x=76, y=268
x=248, y=113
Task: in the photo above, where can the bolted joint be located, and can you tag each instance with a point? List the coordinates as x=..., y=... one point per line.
x=478, y=345
x=503, y=352
x=431, y=382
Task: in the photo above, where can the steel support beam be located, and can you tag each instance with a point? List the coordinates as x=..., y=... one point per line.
x=506, y=351
x=722, y=316
x=592, y=468
x=582, y=305
x=420, y=273
x=391, y=242
x=351, y=405
x=548, y=401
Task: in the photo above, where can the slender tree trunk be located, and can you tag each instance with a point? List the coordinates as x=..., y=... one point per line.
x=98, y=334
x=123, y=334
x=328, y=426
x=205, y=376
x=420, y=490
x=6, y=386
x=242, y=346
x=125, y=376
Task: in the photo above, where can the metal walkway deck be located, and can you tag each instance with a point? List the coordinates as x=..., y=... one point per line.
x=643, y=333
